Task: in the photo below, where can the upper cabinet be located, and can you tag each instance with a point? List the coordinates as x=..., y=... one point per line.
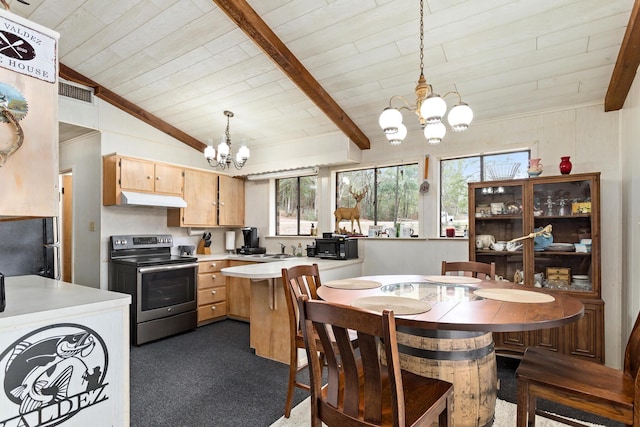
x=138, y=175
x=212, y=200
x=558, y=213
x=29, y=88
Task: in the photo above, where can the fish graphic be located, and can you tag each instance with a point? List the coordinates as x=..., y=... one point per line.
x=39, y=373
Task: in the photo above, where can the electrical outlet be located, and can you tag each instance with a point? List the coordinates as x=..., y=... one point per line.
x=92, y=226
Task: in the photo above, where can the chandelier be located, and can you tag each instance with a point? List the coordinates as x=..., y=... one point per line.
x=224, y=158
x=429, y=107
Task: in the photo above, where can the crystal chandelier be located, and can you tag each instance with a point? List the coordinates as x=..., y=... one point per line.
x=429, y=107
x=224, y=158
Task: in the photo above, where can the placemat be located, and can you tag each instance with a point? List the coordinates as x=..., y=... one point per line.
x=514, y=295
x=352, y=284
x=399, y=305
x=453, y=279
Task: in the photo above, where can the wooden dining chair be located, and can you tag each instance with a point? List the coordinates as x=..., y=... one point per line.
x=580, y=384
x=360, y=389
x=469, y=268
x=298, y=280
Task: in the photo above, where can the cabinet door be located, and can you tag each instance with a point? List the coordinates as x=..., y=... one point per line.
x=497, y=212
x=231, y=200
x=565, y=205
x=137, y=175
x=200, y=192
x=585, y=338
x=168, y=179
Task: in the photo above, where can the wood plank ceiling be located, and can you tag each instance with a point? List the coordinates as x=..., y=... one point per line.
x=184, y=63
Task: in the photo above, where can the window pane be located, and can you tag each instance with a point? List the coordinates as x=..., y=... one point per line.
x=308, y=204
x=287, y=206
x=454, y=205
x=296, y=205
x=356, y=182
x=506, y=166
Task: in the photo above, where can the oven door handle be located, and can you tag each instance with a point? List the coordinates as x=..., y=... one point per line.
x=167, y=267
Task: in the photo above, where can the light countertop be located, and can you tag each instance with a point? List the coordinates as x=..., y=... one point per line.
x=34, y=298
x=273, y=268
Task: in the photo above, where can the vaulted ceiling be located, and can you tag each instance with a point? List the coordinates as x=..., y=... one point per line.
x=180, y=64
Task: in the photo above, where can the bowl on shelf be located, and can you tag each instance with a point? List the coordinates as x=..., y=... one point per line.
x=502, y=171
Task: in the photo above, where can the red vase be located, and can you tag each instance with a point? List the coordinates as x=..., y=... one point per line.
x=565, y=165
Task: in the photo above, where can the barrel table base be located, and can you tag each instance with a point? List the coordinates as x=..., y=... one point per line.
x=465, y=359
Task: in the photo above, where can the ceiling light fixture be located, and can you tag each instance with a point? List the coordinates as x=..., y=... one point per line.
x=224, y=158
x=430, y=108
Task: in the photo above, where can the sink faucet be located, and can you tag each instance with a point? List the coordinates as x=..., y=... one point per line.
x=282, y=248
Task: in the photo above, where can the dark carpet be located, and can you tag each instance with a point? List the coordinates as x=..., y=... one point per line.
x=210, y=377
x=207, y=377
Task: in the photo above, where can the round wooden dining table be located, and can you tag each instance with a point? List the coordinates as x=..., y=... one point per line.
x=444, y=326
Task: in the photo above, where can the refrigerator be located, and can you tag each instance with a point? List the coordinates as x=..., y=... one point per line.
x=30, y=246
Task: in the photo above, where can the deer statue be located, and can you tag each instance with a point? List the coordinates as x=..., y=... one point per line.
x=351, y=213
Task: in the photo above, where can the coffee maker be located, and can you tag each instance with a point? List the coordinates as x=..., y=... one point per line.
x=251, y=242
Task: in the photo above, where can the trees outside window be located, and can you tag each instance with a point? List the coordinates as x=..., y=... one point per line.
x=392, y=196
x=296, y=205
x=456, y=173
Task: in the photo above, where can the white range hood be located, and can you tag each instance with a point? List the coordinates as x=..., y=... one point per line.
x=158, y=200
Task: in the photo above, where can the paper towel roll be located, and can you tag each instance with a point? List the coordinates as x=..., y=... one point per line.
x=230, y=240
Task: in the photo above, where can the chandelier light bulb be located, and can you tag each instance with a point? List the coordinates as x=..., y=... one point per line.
x=398, y=137
x=435, y=132
x=460, y=117
x=223, y=148
x=433, y=108
x=243, y=153
x=389, y=120
x=209, y=151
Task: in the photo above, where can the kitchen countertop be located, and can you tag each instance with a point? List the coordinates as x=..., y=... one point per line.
x=269, y=268
x=34, y=298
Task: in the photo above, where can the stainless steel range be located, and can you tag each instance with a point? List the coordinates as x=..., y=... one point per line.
x=162, y=286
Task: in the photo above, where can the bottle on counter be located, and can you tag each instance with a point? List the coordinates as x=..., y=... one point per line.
x=299, y=251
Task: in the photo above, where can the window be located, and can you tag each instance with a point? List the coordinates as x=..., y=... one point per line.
x=391, y=197
x=456, y=173
x=296, y=206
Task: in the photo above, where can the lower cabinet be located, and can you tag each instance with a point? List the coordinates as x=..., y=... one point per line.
x=212, y=291
x=238, y=295
x=584, y=338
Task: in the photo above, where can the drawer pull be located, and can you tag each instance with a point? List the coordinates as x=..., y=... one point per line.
x=213, y=307
x=213, y=265
x=213, y=292
x=213, y=276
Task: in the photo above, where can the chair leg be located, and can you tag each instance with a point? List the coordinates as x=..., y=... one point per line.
x=524, y=415
x=445, y=415
x=293, y=370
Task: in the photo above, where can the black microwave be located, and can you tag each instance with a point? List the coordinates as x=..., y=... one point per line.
x=337, y=248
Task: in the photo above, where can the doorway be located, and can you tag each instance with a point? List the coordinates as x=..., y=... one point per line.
x=66, y=217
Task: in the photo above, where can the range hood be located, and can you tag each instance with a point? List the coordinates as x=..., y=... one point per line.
x=158, y=200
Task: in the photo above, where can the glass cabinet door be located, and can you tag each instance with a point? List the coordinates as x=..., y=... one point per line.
x=498, y=210
x=563, y=254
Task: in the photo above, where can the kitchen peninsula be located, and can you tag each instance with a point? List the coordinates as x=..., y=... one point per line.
x=70, y=338
x=269, y=329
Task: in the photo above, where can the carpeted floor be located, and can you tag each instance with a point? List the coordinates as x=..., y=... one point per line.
x=210, y=377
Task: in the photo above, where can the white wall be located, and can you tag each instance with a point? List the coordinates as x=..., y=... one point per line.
x=630, y=201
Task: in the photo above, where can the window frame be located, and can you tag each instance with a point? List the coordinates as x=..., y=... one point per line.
x=298, y=179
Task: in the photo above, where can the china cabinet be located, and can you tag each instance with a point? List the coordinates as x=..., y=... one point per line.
x=560, y=217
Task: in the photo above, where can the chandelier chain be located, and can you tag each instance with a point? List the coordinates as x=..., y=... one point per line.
x=421, y=37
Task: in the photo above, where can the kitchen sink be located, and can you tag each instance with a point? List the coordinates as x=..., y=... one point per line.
x=278, y=256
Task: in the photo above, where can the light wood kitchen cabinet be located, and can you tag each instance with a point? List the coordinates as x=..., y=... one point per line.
x=139, y=175
x=570, y=205
x=239, y=295
x=212, y=291
x=212, y=200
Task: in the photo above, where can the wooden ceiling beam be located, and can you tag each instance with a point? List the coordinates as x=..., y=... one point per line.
x=626, y=65
x=250, y=22
x=129, y=107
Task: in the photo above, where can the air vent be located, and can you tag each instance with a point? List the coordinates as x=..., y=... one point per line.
x=75, y=92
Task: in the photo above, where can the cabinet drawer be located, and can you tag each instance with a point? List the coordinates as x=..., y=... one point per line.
x=211, y=311
x=208, y=296
x=209, y=280
x=209, y=266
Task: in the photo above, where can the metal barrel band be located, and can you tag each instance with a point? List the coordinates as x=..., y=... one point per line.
x=439, y=333
x=474, y=354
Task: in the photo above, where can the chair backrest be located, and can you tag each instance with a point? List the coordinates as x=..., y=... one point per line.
x=299, y=280
x=343, y=398
x=469, y=268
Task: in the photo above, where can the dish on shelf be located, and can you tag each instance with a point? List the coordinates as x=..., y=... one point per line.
x=513, y=208
x=580, y=277
x=560, y=247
